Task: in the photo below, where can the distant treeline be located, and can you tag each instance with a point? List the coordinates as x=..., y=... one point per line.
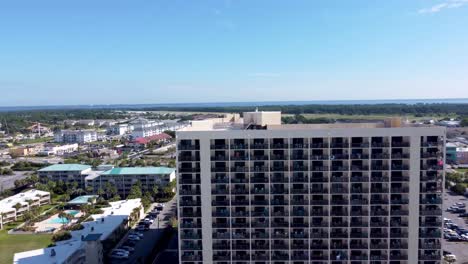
x=355, y=109
x=19, y=120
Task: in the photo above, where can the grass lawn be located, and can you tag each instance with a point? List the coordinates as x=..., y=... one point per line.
x=11, y=244
x=36, y=140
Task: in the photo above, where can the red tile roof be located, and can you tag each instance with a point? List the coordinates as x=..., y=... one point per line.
x=146, y=140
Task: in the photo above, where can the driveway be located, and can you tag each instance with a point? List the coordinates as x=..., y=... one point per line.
x=144, y=247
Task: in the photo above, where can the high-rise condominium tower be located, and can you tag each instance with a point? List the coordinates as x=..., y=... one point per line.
x=251, y=190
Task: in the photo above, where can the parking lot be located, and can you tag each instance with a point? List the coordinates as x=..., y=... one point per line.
x=143, y=247
x=459, y=249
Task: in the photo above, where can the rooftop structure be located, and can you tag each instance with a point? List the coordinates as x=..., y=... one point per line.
x=139, y=171
x=84, y=199
x=65, y=167
x=84, y=246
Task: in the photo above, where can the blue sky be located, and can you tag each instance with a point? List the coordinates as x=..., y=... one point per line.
x=109, y=52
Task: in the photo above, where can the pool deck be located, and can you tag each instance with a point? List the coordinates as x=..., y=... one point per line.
x=45, y=225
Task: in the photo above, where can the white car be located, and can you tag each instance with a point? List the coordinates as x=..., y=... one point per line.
x=450, y=257
x=137, y=234
x=127, y=248
x=464, y=237
x=134, y=237
x=120, y=250
x=119, y=255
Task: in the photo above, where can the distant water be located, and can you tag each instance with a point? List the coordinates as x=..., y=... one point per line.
x=227, y=104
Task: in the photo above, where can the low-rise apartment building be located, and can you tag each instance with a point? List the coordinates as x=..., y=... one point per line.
x=90, y=244
x=125, y=178
x=145, y=128
x=58, y=149
x=76, y=136
x=15, y=206
x=68, y=173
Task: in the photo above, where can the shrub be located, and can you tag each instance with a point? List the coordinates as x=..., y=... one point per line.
x=61, y=235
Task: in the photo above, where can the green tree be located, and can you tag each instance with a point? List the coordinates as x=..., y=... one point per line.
x=146, y=200
x=135, y=191
x=155, y=191
x=111, y=190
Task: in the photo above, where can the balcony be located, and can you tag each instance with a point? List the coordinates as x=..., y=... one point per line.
x=190, y=225
x=339, y=168
x=188, y=147
x=279, y=146
x=430, y=234
x=400, y=155
x=300, y=179
x=378, y=234
x=219, y=146
x=219, y=169
x=319, y=157
x=399, y=212
x=359, y=201
x=396, y=167
x=189, y=170
x=259, y=180
x=189, y=181
x=239, y=146
x=338, y=234
x=278, y=157
x=359, y=168
x=279, y=256
x=259, y=256
x=380, y=144
x=259, y=157
x=432, y=167
x=380, y=156
x=338, y=190
x=190, y=235
x=240, y=202
x=403, y=189
x=400, y=144
x=190, y=214
x=189, y=203
x=259, y=146
x=399, y=201
x=299, y=157
x=189, y=158
x=300, y=145
x=339, y=144
x=189, y=192
x=432, y=144
x=299, y=168
x=431, y=201
x=319, y=145
x=299, y=202
x=398, y=234
x=300, y=256
x=223, y=256
x=339, y=179
x=299, y=191
x=279, y=168
x=191, y=257
x=219, y=158
x=358, y=224
x=319, y=168
x=429, y=212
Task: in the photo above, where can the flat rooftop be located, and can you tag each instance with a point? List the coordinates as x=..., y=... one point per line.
x=139, y=171
x=65, y=167
x=84, y=199
x=272, y=121
x=7, y=204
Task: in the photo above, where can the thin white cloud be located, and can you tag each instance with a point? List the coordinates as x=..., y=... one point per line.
x=448, y=4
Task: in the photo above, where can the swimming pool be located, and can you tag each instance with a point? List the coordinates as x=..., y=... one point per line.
x=63, y=220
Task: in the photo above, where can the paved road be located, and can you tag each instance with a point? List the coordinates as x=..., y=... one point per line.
x=8, y=181
x=143, y=247
x=460, y=249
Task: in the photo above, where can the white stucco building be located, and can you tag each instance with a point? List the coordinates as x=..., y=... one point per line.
x=76, y=136
x=25, y=201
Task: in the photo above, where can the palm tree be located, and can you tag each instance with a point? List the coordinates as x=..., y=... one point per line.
x=65, y=216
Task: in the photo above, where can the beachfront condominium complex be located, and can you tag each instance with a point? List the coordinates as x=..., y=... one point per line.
x=252, y=190
x=76, y=136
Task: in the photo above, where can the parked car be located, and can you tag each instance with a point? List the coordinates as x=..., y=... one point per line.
x=141, y=235
x=120, y=250
x=128, y=248
x=450, y=257
x=119, y=255
x=135, y=238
